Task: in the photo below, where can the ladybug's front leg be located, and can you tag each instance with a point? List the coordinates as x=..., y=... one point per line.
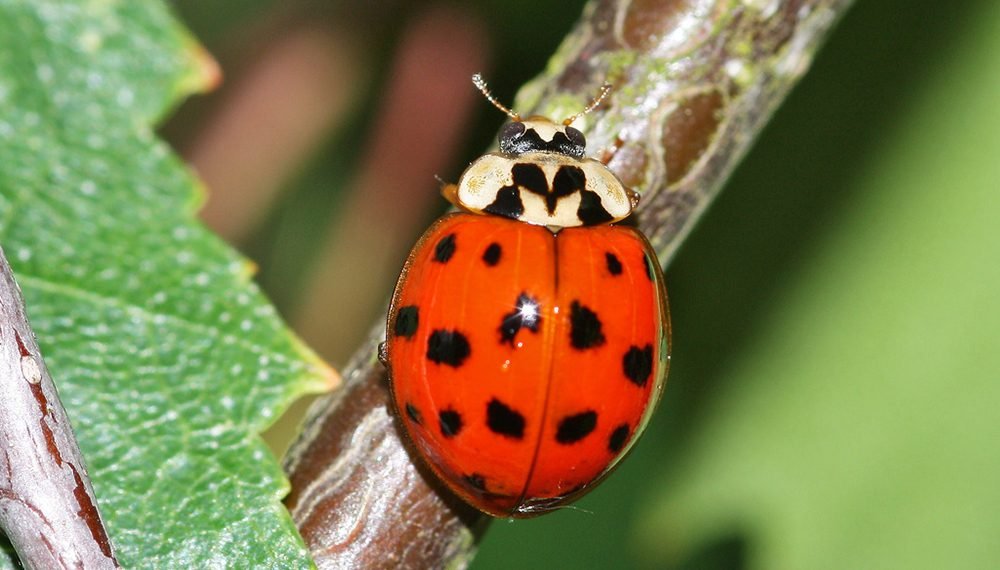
x=383, y=353
x=450, y=193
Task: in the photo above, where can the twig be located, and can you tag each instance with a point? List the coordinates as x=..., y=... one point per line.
x=47, y=505
x=694, y=82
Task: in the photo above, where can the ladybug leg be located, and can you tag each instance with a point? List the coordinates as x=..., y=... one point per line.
x=383, y=354
x=633, y=196
x=450, y=193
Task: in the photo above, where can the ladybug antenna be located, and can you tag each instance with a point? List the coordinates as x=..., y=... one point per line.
x=605, y=89
x=480, y=84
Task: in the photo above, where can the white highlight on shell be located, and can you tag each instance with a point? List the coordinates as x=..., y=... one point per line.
x=529, y=314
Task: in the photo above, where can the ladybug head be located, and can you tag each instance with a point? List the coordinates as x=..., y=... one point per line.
x=541, y=176
x=538, y=134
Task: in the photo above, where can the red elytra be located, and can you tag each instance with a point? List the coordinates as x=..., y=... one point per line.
x=525, y=362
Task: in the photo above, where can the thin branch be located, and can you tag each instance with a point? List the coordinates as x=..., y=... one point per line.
x=694, y=82
x=47, y=505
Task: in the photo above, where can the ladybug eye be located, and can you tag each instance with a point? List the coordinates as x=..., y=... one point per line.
x=509, y=132
x=576, y=137
x=574, y=144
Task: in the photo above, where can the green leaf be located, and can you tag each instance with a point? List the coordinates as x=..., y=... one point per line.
x=168, y=359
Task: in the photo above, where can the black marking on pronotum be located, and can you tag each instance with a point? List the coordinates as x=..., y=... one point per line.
x=504, y=420
x=447, y=347
x=445, y=249
x=414, y=414
x=638, y=364
x=568, y=180
x=591, y=211
x=576, y=427
x=491, y=256
x=585, y=328
x=476, y=481
x=450, y=422
x=507, y=203
x=618, y=438
x=526, y=314
x=613, y=263
x=407, y=319
x=530, y=177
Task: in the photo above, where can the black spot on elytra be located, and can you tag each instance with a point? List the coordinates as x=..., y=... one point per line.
x=648, y=265
x=526, y=314
x=614, y=265
x=576, y=427
x=450, y=422
x=492, y=254
x=591, y=211
x=414, y=414
x=448, y=347
x=638, y=364
x=507, y=203
x=504, y=420
x=445, y=249
x=407, y=319
x=476, y=481
x=585, y=328
x=618, y=438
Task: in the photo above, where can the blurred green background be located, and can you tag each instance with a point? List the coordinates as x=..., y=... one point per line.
x=834, y=396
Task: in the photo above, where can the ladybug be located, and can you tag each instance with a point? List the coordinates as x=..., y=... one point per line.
x=528, y=338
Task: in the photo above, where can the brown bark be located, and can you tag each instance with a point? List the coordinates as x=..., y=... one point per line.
x=47, y=505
